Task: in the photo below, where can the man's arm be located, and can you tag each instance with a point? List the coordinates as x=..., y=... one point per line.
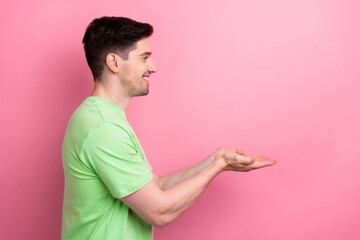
x=159, y=207
x=168, y=181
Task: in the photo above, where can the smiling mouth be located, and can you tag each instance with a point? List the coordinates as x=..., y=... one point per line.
x=146, y=77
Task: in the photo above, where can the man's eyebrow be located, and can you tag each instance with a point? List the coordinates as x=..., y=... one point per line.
x=145, y=53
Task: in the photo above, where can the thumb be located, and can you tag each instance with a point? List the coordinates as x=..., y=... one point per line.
x=230, y=155
x=239, y=151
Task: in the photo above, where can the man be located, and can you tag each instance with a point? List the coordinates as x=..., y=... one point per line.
x=111, y=191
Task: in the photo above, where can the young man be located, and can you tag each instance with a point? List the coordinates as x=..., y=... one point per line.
x=111, y=191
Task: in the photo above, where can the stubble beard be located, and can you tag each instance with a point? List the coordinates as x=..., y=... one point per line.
x=136, y=91
x=135, y=88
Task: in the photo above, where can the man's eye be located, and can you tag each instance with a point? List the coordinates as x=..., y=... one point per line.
x=145, y=58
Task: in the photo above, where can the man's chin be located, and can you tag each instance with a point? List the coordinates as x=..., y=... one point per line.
x=144, y=93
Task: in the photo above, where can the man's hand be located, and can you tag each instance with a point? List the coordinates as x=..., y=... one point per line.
x=235, y=160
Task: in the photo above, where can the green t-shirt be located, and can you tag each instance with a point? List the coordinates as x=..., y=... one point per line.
x=103, y=161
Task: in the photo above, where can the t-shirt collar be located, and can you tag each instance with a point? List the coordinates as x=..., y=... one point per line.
x=111, y=105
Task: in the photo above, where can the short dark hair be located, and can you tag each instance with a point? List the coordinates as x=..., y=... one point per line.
x=112, y=34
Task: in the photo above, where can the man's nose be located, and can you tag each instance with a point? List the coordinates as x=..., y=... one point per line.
x=152, y=68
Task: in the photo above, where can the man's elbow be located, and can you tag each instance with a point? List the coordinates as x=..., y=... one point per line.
x=161, y=220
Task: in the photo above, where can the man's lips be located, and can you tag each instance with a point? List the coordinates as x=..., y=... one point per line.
x=146, y=77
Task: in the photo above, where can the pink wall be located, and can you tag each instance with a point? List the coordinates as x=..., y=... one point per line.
x=278, y=78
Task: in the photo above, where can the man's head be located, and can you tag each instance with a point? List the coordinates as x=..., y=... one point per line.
x=118, y=45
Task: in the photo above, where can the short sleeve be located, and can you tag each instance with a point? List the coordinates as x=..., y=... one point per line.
x=113, y=155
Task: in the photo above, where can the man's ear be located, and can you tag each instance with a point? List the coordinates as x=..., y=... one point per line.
x=113, y=62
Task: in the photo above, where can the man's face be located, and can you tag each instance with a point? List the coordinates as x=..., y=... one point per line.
x=137, y=69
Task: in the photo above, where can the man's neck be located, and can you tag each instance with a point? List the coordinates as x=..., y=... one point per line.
x=113, y=94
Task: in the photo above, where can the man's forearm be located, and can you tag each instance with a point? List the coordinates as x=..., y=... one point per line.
x=160, y=207
x=183, y=195
x=168, y=181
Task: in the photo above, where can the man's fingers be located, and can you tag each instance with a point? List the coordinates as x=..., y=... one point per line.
x=261, y=161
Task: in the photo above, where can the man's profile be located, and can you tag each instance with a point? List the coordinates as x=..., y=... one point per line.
x=111, y=190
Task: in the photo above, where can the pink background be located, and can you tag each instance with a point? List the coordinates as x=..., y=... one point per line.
x=278, y=78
